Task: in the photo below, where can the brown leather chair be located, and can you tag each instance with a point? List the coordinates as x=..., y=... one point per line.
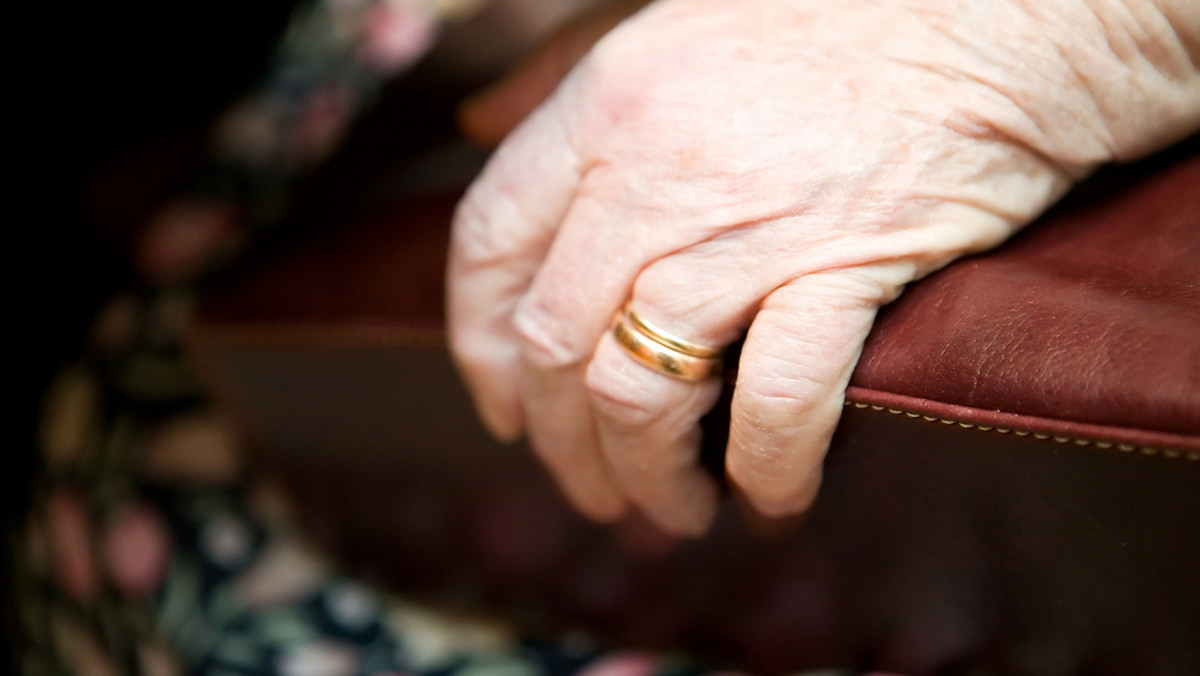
x=1014, y=487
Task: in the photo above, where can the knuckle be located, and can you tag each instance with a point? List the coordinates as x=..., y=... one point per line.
x=474, y=241
x=494, y=219
x=779, y=435
x=604, y=67
x=618, y=397
x=475, y=340
x=545, y=343
x=772, y=408
x=471, y=351
x=614, y=84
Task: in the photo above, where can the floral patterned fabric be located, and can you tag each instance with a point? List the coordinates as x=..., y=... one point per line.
x=152, y=551
x=330, y=64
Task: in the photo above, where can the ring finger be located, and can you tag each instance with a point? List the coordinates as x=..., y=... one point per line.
x=647, y=421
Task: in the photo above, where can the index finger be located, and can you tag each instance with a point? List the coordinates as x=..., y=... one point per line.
x=501, y=231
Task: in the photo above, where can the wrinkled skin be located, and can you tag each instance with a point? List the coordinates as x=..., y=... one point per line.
x=779, y=170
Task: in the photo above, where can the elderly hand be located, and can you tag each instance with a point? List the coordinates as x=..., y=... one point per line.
x=778, y=169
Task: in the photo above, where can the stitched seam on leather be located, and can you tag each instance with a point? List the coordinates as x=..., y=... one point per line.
x=1170, y=453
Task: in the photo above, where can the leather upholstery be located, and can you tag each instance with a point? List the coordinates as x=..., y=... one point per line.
x=1092, y=320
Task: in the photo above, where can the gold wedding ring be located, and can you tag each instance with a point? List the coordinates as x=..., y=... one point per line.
x=663, y=352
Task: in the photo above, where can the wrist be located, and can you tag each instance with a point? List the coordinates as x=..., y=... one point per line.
x=1137, y=60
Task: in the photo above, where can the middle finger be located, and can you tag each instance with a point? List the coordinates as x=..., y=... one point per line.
x=584, y=277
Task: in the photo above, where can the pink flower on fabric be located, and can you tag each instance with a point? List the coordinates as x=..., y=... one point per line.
x=622, y=664
x=183, y=237
x=136, y=550
x=322, y=123
x=395, y=34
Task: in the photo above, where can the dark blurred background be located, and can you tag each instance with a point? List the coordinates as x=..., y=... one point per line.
x=102, y=83
x=94, y=85
x=112, y=104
